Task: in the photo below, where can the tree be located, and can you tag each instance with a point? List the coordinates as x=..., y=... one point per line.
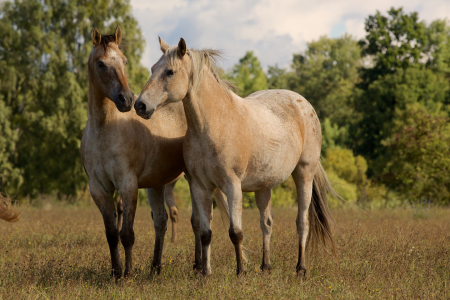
x=326, y=74
x=419, y=164
x=409, y=65
x=396, y=41
x=248, y=75
x=44, y=50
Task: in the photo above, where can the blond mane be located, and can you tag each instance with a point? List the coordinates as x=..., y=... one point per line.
x=200, y=58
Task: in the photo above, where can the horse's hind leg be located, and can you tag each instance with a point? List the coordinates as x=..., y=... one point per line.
x=265, y=220
x=303, y=176
x=169, y=198
x=105, y=204
x=156, y=201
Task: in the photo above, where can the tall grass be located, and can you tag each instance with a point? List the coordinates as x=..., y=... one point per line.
x=62, y=253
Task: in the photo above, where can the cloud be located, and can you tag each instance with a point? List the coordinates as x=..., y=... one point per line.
x=273, y=29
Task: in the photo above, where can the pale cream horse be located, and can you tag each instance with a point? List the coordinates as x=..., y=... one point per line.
x=123, y=152
x=237, y=144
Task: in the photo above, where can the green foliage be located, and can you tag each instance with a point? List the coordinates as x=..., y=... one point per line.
x=248, y=75
x=44, y=50
x=326, y=74
x=182, y=194
x=396, y=41
x=332, y=135
x=410, y=65
x=348, y=191
x=419, y=162
x=348, y=173
x=380, y=101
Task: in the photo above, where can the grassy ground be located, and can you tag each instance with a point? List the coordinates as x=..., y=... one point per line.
x=61, y=253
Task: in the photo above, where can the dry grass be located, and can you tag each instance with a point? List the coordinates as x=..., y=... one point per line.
x=61, y=253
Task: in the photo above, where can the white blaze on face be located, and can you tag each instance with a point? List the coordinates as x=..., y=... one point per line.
x=115, y=60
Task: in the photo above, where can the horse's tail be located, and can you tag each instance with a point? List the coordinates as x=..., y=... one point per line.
x=320, y=221
x=222, y=204
x=6, y=212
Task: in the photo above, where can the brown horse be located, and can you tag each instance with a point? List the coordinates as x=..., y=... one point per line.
x=6, y=212
x=237, y=144
x=123, y=152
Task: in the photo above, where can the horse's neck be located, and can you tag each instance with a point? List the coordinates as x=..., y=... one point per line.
x=209, y=106
x=100, y=110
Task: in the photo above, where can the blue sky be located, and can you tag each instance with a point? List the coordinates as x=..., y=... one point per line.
x=273, y=29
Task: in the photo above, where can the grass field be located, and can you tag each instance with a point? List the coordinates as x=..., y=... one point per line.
x=62, y=253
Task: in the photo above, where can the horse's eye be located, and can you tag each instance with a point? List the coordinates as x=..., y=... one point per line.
x=101, y=65
x=169, y=73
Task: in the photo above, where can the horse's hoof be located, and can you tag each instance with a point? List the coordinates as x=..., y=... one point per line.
x=207, y=273
x=301, y=273
x=265, y=267
x=129, y=274
x=241, y=273
x=197, y=266
x=116, y=274
x=155, y=269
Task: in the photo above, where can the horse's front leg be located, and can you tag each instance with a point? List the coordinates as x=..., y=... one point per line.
x=129, y=193
x=107, y=207
x=202, y=199
x=156, y=201
x=233, y=191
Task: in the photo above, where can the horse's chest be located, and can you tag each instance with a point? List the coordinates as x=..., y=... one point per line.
x=100, y=160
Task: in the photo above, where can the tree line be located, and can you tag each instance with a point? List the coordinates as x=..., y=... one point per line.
x=383, y=101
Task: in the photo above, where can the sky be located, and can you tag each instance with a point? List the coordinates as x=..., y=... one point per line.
x=273, y=29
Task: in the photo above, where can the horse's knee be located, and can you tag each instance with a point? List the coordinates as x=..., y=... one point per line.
x=127, y=237
x=112, y=238
x=160, y=223
x=236, y=236
x=206, y=237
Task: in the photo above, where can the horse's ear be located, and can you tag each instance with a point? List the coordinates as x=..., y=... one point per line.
x=163, y=45
x=182, y=47
x=118, y=34
x=96, y=37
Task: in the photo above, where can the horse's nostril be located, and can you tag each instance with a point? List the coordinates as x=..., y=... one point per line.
x=122, y=98
x=141, y=107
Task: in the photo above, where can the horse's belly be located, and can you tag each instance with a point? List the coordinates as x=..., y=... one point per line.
x=268, y=173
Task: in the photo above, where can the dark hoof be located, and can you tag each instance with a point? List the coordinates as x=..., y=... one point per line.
x=241, y=273
x=129, y=274
x=116, y=274
x=197, y=266
x=266, y=267
x=301, y=272
x=155, y=270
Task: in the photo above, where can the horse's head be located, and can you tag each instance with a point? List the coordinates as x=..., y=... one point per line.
x=169, y=81
x=107, y=70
